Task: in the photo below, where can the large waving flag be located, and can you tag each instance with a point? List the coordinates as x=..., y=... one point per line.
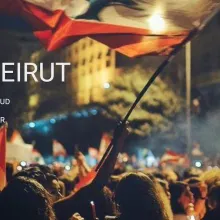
x=3, y=138
x=132, y=27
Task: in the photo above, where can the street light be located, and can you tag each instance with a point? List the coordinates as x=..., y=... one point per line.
x=188, y=95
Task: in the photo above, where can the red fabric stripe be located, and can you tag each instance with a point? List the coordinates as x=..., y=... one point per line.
x=174, y=153
x=86, y=180
x=2, y=157
x=136, y=45
x=55, y=30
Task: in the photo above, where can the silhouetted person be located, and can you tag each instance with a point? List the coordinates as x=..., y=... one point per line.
x=43, y=176
x=214, y=203
x=25, y=199
x=181, y=197
x=139, y=197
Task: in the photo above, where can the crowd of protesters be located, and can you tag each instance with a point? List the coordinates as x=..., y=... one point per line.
x=40, y=192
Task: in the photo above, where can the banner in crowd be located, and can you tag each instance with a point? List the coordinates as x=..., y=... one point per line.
x=130, y=27
x=19, y=152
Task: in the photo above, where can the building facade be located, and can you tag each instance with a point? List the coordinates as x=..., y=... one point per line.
x=93, y=69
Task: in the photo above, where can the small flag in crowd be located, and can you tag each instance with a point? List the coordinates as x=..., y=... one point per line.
x=3, y=137
x=58, y=149
x=171, y=157
x=16, y=138
x=105, y=141
x=196, y=151
x=93, y=152
x=17, y=149
x=37, y=157
x=86, y=180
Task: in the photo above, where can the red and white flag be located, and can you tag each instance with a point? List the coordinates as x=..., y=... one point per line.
x=130, y=27
x=16, y=138
x=37, y=157
x=3, y=139
x=58, y=149
x=171, y=157
x=196, y=151
x=104, y=143
x=93, y=152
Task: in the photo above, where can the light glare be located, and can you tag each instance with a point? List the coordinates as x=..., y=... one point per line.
x=31, y=124
x=67, y=167
x=23, y=163
x=52, y=121
x=157, y=23
x=19, y=168
x=198, y=164
x=106, y=85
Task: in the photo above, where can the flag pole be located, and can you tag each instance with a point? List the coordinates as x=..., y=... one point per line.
x=188, y=96
x=194, y=32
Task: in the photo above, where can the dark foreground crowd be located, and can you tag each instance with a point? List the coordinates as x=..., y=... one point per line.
x=41, y=193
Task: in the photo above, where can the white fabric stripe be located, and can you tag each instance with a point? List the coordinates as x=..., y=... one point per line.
x=159, y=16
x=72, y=8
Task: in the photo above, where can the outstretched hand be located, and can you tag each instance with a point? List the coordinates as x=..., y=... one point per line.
x=80, y=158
x=120, y=134
x=76, y=216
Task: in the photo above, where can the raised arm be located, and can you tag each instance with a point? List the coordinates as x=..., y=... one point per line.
x=66, y=207
x=84, y=168
x=108, y=163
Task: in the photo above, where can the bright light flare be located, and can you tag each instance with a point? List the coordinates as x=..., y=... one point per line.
x=52, y=121
x=106, y=85
x=67, y=167
x=23, y=163
x=32, y=125
x=198, y=164
x=157, y=23
x=19, y=168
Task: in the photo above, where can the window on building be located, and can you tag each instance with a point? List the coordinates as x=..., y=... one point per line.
x=83, y=45
x=90, y=70
x=76, y=50
x=108, y=52
x=84, y=61
x=99, y=55
x=91, y=59
x=69, y=54
x=108, y=63
x=99, y=67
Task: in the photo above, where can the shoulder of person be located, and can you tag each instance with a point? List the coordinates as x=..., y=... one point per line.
x=180, y=217
x=111, y=218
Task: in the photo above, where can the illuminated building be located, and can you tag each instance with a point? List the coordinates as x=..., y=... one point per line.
x=94, y=69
